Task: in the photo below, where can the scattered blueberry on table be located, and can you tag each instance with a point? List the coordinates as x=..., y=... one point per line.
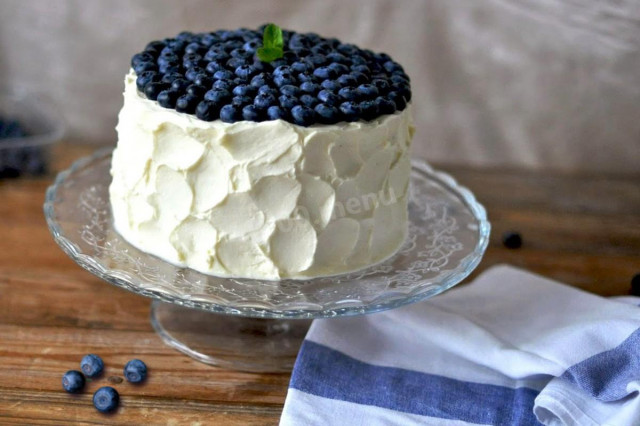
x=512, y=240
x=635, y=285
x=18, y=160
x=92, y=365
x=73, y=381
x=106, y=399
x=268, y=74
x=135, y=371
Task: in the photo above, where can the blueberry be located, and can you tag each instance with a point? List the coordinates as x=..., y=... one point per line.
x=635, y=285
x=349, y=94
x=309, y=87
x=245, y=71
x=234, y=63
x=251, y=113
x=204, y=80
x=332, y=85
x=91, y=365
x=385, y=106
x=73, y=381
x=145, y=66
x=167, y=98
x=251, y=46
x=290, y=90
x=141, y=57
x=275, y=112
x=360, y=77
x=338, y=69
x=347, y=80
x=241, y=101
x=209, y=39
x=327, y=114
x=216, y=55
x=392, y=66
x=171, y=77
x=324, y=73
x=106, y=399
x=367, y=91
x=169, y=67
x=195, y=48
x=260, y=80
x=223, y=85
x=350, y=111
x=152, y=90
x=369, y=110
x=180, y=84
x=337, y=58
x=328, y=97
x=361, y=68
x=192, y=73
x=196, y=90
x=135, y=371
x=288, y=102
x=309, y=101
x=208, y=110
x=191, y=60
x=381, y=84
x=397, y=99
x=301, y=66
x=167, y=59
x=230, y=114
x=214, y=66
x=264, y=101
x=302, y=115
x=223, y=75
x=267, y=90
x=145, y=78
x=305, y=77
x=244, y=90
x=403, y=90
x=282, y=69
x=284, y=79
x=187, y=103
x=512, y=240
x=239, y=53
x=398, y=79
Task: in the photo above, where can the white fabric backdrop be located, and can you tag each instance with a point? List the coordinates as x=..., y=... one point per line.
x=539, y=83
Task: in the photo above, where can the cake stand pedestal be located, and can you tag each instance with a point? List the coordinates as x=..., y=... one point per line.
x=258, y=325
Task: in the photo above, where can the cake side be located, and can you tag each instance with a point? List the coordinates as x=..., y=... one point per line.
x=264, y=200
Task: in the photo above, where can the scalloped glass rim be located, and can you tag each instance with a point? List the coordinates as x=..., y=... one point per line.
x=266, y=298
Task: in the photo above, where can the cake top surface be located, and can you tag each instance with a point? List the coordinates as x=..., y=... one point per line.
x=270, y=74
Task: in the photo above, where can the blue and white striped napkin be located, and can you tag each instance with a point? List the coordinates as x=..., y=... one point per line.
x=511, y=348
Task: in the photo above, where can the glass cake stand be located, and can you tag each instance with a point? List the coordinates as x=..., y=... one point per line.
x=256, y=325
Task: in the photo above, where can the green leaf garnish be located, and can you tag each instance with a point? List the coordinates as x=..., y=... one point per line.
x=272, y=44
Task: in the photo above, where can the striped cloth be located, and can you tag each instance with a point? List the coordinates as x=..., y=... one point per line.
x=512, y=348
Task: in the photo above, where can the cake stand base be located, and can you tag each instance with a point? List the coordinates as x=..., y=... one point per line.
x=238, y=343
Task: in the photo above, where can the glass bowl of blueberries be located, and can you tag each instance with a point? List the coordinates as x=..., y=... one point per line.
x=29, y=127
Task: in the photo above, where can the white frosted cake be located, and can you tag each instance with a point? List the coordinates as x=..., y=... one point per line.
x=265, y=198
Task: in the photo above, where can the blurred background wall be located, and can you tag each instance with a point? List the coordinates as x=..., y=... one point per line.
x=548, y=84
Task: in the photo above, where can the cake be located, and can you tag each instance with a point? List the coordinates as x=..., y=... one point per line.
x=263, y=154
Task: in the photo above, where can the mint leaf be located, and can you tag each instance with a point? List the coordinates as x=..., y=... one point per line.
x=272, y=44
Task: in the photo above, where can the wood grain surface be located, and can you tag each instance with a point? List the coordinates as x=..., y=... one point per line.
x=583, y=230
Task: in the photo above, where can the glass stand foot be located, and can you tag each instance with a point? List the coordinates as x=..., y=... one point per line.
x=233, y=342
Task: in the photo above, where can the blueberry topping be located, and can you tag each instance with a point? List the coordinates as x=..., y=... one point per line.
x=167, y=98
x=106, y=399
x=350, y=111
x=275, y=112
x=219, y=75
x=230, y=114
x=327, y=114
x=91, y=365
x=303, y=115
x=135, y=371
x=252, y=113
x=512, y=240
x=73, y=381
x=635, y=285
x=187, y=103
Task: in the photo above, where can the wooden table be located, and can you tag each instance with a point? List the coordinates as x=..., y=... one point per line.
x=583, y=230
